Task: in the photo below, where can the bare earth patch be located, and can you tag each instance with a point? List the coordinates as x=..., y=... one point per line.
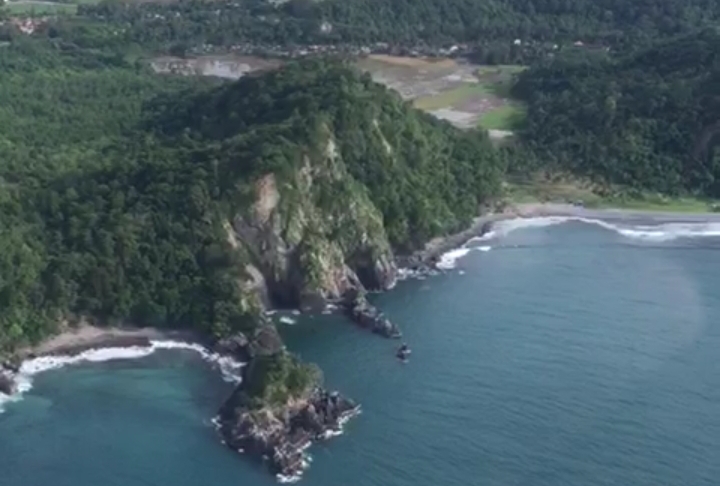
x=464, y=94
x=229, y=66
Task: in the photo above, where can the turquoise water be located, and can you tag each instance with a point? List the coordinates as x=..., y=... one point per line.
x=566, y=355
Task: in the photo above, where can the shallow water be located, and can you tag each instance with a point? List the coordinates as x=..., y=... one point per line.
x=562, y=355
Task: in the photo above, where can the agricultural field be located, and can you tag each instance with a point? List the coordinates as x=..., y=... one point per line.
x=466, y=95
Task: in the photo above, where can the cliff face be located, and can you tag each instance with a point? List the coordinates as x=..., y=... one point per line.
x=312, y=234
x=319, y=173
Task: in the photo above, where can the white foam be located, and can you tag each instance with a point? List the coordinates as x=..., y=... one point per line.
x=7, y=399
x=447, y=260
x=229, y=367
x=288, y=479
x=306, y=458
x=657, y=233
x=287, y=320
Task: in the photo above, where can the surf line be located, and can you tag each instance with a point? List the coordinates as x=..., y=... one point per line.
x=229, y=367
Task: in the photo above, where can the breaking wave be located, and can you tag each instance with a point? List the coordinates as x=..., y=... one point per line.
x=657, y=233
x=449, y=259
x=229, y=367
x=649, y=232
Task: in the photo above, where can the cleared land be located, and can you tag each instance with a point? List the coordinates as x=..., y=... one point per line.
x=466, y=95
x=228, y=66
x=543, y=188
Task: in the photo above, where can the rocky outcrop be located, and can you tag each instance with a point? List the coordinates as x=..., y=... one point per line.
x=368, y=316
x=280, y=436
x=7, y=383
x=304, y=249
x=280, y=408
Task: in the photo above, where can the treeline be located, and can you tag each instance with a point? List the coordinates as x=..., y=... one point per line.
x=647, y=122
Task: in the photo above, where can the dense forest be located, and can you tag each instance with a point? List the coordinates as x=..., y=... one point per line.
x=118, y=183
x=489, y=27
x=647, y=121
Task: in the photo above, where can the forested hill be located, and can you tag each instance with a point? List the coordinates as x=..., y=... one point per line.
x=412, y=23
x=173, y=202
x=649, y=121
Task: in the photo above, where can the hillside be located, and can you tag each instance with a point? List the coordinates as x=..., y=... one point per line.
x=648, y=121
x=196, y=203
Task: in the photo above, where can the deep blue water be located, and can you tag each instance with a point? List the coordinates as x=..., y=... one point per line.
x=565, y=355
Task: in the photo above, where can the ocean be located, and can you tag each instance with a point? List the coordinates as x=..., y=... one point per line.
x=550, y=353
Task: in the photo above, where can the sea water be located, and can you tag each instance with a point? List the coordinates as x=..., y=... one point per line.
x=550, y=353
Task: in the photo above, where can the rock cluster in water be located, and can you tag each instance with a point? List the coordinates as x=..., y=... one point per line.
x=8, y=370
x=368, y=316
x=251, y=422
x=279, y=437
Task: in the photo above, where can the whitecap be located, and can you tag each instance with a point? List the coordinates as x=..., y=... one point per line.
x=448, y=259
x=287, y=320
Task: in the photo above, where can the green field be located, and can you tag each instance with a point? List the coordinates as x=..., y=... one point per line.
x=507, y=117
x=496, y=112
x=451, y=97
x=574, y=191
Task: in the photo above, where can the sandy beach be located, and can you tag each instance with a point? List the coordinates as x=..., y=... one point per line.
x=483, y=224
x=75, y=340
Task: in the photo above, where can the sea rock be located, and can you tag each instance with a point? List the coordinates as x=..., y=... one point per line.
x=7, y=383
x=368, y=316
x=486, y=228
x=11, y=364
x=281, y=436
x=279, y=408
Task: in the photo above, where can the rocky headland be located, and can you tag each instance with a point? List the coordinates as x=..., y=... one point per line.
x=280, y=407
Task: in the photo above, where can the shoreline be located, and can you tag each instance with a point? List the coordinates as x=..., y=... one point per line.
x=73, y=340
x=84, y=337
x=483, y=224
